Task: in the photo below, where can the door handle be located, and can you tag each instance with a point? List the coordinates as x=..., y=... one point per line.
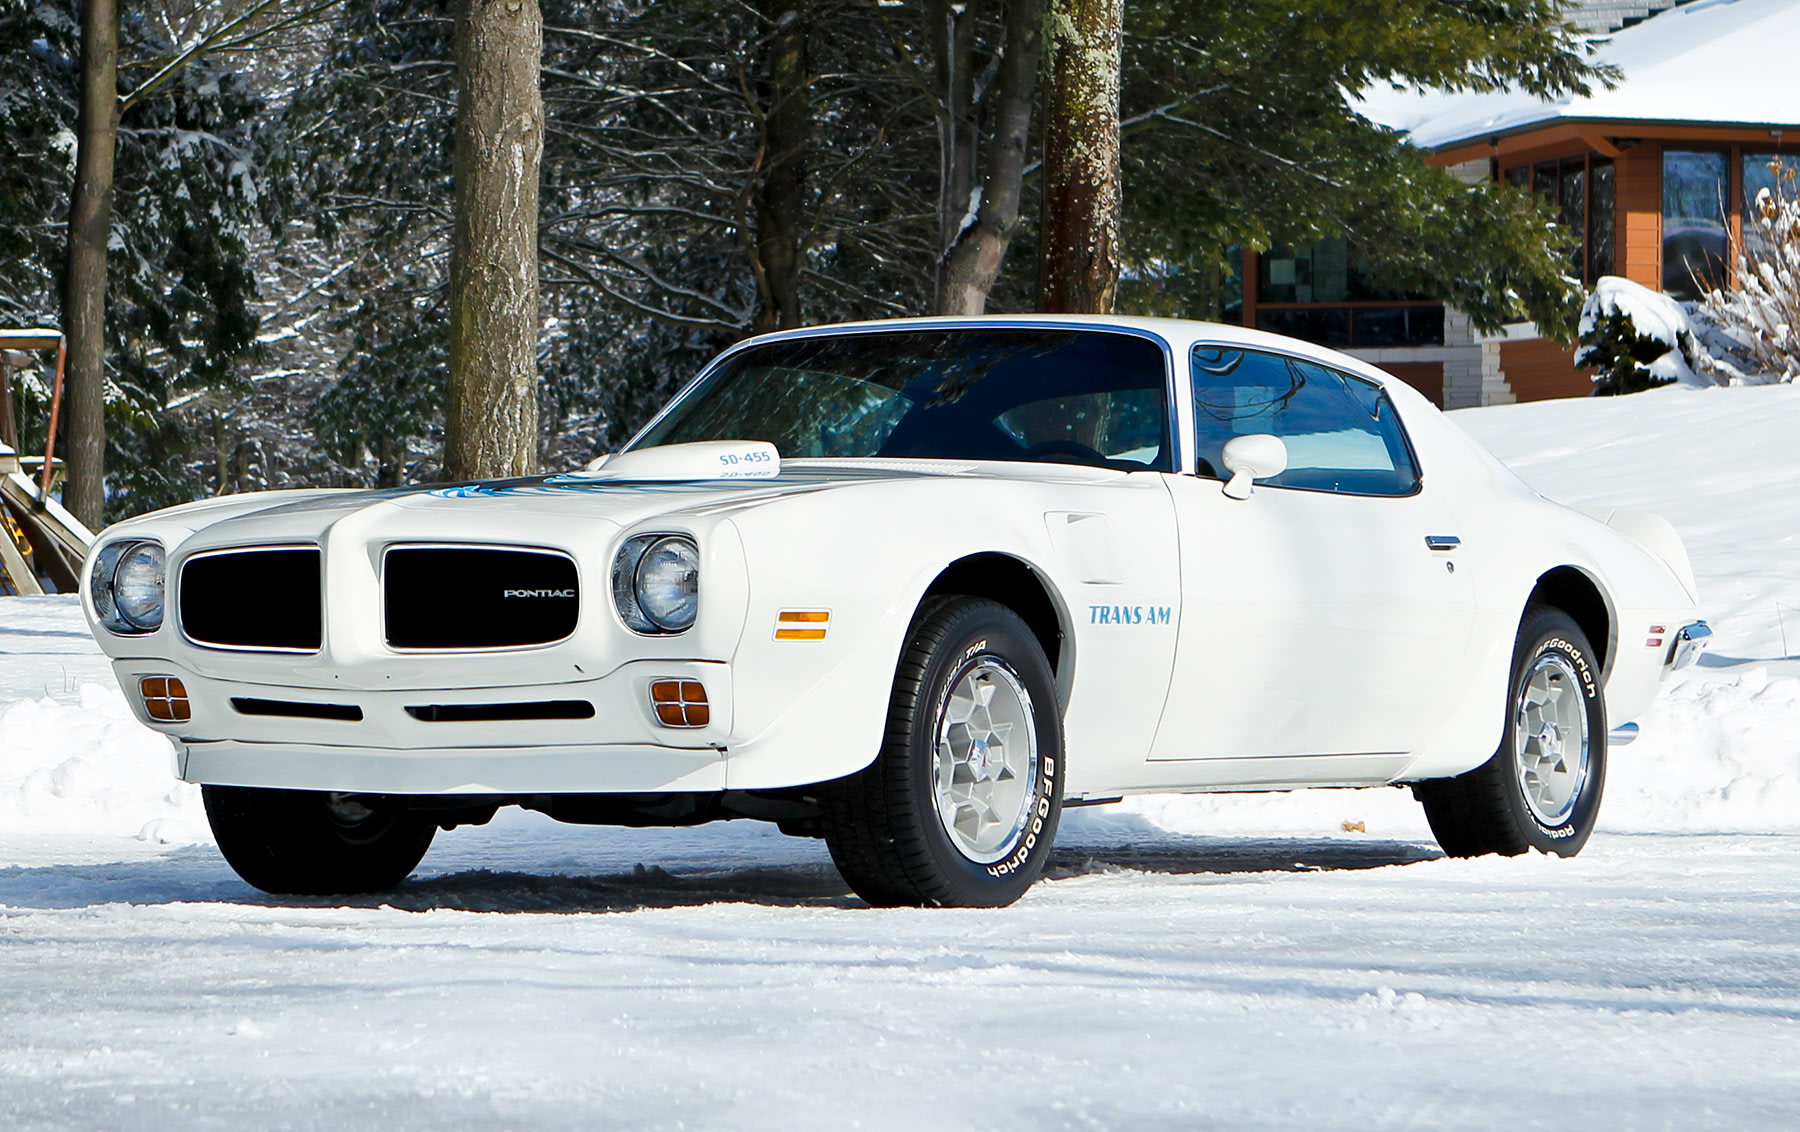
x=1442, y=542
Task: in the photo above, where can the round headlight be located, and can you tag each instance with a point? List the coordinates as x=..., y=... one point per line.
x=137, y=588
x=667, y=586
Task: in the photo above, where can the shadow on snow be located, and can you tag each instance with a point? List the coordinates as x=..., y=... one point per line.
x=196, y=874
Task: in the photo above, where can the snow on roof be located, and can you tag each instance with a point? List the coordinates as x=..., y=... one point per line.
x=1717, y=62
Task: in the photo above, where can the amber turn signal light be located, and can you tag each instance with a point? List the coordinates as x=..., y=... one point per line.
x=680, y=703
x=802, y=624
x=165, y=699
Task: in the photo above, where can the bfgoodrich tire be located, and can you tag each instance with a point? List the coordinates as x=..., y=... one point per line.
x=961, y=806
x=1542, y=788
x=311, y=843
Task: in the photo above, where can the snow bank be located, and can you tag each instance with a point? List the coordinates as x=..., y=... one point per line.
x=73, y=760
x=1720, y=752
x=91, y=768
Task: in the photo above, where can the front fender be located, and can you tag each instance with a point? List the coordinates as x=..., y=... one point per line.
x=810, y=710
x=812, y=696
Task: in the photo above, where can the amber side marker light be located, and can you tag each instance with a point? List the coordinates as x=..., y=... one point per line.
x=680, y=703
x=802, y=624
x=165, y=699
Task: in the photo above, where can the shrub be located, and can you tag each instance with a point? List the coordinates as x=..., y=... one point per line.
x=1636, y=337
x=1760, y=314
x=1621, y=353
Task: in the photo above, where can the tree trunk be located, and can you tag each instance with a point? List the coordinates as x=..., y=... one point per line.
x=781, y=198
x=1079, y=261
x=84, y=296
x=491, y=418
x=950, y=29
x=975, y=251
x=390, y=461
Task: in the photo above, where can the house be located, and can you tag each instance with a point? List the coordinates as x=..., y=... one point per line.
x=1651, y=179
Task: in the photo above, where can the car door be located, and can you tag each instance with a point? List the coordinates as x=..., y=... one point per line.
x=1322, y=619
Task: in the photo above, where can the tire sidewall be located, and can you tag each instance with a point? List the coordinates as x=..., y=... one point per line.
x=1550, y=633
x=977, y=633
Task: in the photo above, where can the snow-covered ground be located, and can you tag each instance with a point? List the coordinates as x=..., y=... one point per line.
x=1192, y=962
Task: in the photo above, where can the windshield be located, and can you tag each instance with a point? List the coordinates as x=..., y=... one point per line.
x=1069, y=396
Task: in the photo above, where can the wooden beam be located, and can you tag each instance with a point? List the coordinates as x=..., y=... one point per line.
x=9, y=429
x=1600, y=143
x=48, y=516
x=24, y=581
x=30, y=339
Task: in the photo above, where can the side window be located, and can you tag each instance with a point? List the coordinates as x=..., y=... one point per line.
x=1341, y=432
x=1124, y=426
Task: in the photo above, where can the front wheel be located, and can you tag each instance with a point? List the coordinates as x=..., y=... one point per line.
x=961, y=806
x=313, y=843
x=1541, y=790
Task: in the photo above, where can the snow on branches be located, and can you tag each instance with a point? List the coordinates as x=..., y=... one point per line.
x=1759, y=318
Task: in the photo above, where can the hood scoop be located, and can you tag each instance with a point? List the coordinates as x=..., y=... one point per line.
x=703, y=460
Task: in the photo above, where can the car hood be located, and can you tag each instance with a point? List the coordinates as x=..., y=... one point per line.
x=270, y=517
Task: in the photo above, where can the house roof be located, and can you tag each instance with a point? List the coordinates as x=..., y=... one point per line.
x=1712, y=62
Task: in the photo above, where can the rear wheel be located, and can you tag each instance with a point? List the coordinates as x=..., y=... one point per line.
x=1542, y=788
x=314, y=843
x=961, y=806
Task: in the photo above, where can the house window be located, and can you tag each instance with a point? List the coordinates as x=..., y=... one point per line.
x=1600, y=234
x=1580, y=189
x=1694, y=241
x=1323, y=292
x=1758, y=175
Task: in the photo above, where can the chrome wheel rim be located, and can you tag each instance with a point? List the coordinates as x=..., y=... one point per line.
x=987, y=761
x=349, y=810
x=358, y=819
x=1550, y=739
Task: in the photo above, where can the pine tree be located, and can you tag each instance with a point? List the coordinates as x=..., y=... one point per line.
x=1239, y=132
x=186, y=204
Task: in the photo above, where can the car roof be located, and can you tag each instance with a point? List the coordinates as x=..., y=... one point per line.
x=1180, y=334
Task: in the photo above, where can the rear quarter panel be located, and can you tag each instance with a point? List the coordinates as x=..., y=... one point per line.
x=1511, y=538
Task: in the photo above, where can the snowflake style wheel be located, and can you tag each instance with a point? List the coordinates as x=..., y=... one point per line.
x=1542, y=788
x=313, y=843
x=961, y=806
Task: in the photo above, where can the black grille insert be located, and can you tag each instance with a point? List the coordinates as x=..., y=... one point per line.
x=496, y=713
x=294, y=709
x=253, y=599
x=478, y=597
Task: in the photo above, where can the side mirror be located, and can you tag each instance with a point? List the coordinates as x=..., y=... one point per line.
x=1254, y=457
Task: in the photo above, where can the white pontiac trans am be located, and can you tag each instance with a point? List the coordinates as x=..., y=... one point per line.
x=912, y=587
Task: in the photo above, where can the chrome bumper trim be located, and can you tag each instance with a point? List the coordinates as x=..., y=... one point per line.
x=1688, y=644
x=1623, y=735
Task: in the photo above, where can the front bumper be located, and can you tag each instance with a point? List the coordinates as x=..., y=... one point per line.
x=573, y=769
x=424, y=742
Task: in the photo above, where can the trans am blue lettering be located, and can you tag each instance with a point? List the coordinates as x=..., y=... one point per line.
x=1130, y=615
